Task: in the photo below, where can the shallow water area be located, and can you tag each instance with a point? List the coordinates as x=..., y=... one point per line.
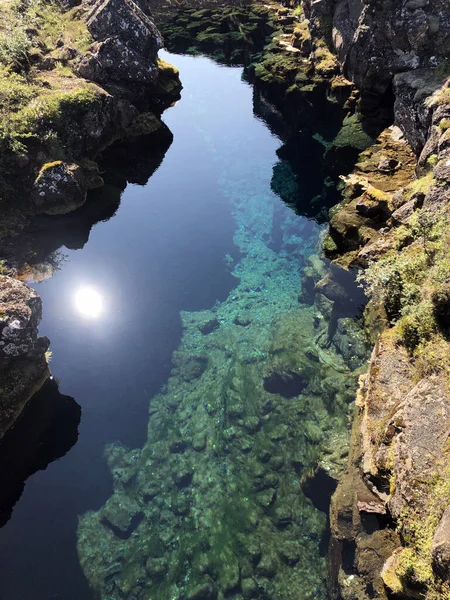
x=186, y=301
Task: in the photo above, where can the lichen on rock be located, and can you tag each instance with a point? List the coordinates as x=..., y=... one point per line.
x=23, y=366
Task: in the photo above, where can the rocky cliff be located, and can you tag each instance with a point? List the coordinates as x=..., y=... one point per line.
x=389, y=515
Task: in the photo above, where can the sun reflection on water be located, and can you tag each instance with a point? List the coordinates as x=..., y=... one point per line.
x=89, y=302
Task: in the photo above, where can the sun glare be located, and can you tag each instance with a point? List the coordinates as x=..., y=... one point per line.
x=89, y=302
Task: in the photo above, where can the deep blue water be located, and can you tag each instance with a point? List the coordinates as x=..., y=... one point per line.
x=171, y=246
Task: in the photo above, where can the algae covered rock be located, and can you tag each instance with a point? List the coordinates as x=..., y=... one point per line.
x=213, y=505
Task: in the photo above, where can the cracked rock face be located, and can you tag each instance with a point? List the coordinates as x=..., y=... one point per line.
x=20, y=314
x=375, y=40
x=114, y=60
x=23, y=367
x=127, y=43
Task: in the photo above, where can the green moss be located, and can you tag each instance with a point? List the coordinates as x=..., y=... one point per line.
x=352, y=134
x=432, y=160
x=277, y=68
x=50, y=165
x=442, y=96
x=413, y=284
x=329, y=246
x=421, y=185
x=50, y=107
x=391, y=579
x=167, y=68
x=326, y=63
x=377, y=194
x=414, y=563
x=444, y=125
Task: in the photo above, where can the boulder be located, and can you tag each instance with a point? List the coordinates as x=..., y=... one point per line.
x=23, y=367
x=21, y=311
x=59, y=188
x=125, y=21
x=112, y=60
x=126, y=43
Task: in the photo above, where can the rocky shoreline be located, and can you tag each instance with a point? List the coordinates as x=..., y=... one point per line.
x=393, y=223
x=389, y=515
x=337, y=73
x=88, y=76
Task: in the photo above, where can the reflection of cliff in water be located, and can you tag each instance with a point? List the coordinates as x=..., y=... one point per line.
x=35, y=250
x=46, y=431
x=322, y=142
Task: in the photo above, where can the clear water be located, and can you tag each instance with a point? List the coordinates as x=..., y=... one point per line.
x=186, y=301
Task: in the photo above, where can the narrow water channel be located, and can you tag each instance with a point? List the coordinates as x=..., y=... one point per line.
x=186, y=301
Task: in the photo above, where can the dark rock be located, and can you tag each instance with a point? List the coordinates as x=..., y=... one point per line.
x=267, y=497
x=112, y=60
x=59, y=188
x=402, y=215
x=282, y=516
x=276, y=462
x=126, y=46
x=125, y=21
x=229, y=580
x=249, y=588
x=178, y=446
x=23, y=367
x=264, y=456
x=441, y=171
x=122, y=516
x=209, y=326
x=183, y=476
x=370, y=52
x=290, y=553
x=269, y=481
x=387, y=165
x=243, y=319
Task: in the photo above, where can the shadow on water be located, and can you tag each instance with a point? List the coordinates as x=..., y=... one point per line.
x=46, y=431
x=36, y=249
x=310, y=165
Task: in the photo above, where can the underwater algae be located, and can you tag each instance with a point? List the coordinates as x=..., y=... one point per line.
x=212, y=506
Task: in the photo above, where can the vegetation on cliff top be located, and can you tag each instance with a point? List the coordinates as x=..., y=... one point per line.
x=37, y=85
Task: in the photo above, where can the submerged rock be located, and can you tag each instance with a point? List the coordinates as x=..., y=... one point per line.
x=218, y=481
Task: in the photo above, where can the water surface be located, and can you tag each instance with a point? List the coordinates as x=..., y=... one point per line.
x=186, y=300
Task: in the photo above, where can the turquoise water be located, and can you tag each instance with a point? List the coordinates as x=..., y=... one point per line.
x=182, y=310
x=212, y=504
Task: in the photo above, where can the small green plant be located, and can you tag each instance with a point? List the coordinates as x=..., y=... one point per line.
x=14, y=47
x=413, y=284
